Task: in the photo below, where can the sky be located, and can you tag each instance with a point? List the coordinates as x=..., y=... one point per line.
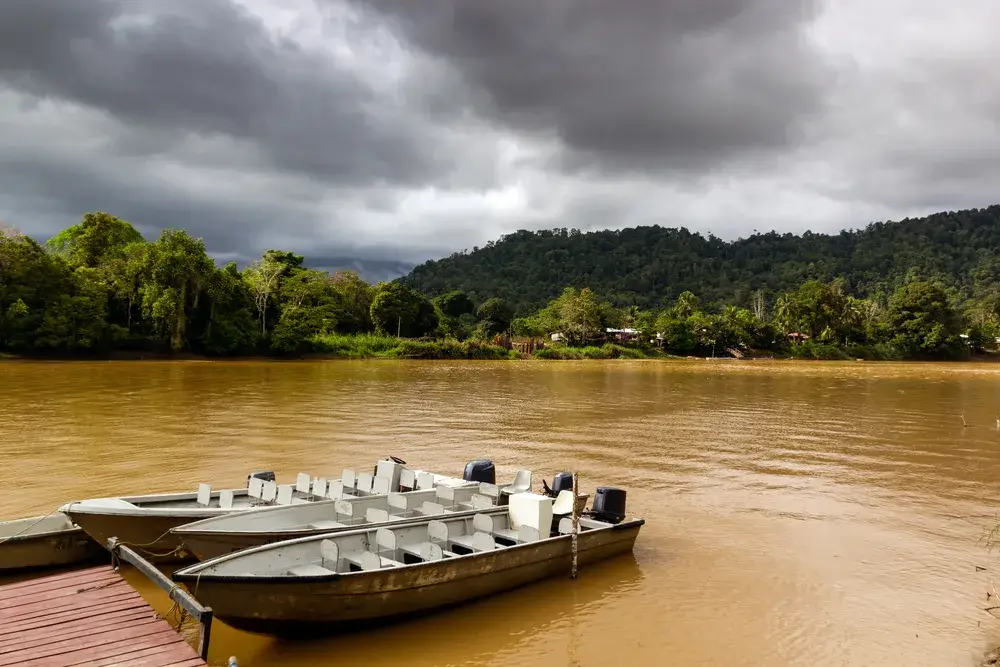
x=381, y=133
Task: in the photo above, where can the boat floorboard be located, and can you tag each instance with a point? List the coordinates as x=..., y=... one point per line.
x=85, y=618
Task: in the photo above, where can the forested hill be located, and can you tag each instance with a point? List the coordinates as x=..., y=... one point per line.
x=651, y=266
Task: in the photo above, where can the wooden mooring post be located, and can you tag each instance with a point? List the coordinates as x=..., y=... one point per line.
x=576, y=525
x=197, y=611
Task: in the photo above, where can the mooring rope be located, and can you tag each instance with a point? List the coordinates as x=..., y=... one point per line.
x=27, y=528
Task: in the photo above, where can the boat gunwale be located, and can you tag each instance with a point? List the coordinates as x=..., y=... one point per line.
x=23, y=537
x=190, y=573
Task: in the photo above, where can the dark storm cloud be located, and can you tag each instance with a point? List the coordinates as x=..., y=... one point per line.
x=635, y=83
x=400, y=130
x=210, y=67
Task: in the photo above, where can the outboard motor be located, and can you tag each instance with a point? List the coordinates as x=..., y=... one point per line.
x=266, y=475
x=563, y=481
x=609, y=504
x=480, y=470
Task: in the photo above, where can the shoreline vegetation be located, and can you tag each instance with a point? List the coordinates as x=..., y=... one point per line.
x=99, y=290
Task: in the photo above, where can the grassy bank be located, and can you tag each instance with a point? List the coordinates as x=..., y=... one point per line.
x=368, y=346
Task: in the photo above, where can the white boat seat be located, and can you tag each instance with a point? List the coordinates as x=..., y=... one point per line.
x=335, y=491
x=308, y=570
x=481, y=502
x=407, y=479
x=348, y=479
x=326, y=525
x=431, y=509
x=398, y=504
x=521, y=483
x=377, y=515
x=363, y=484
x=255, y=487
x=285, y=494
x=270, y=492
x=204, y=495
x=483, y=542
x=226, y=499
x=527, y=534
x=489, y=490
x=319, y=488
x=380, y=486
x=330, y=553
x=302, y=482
x=445, y=495
x=425, y=480
x=563, y=505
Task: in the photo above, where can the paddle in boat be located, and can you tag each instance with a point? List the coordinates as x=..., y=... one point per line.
x=216, y=536
x=144, y=522
x=327, y=584
x=44, y=541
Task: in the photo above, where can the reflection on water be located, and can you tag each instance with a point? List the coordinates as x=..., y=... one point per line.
x=797, y=513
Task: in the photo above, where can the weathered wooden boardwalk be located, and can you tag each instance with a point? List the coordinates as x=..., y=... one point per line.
x=85, y=618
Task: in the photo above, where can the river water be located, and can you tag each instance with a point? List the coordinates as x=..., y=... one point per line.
x=797, y=513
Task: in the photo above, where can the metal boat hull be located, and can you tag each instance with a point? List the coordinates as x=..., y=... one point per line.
x=65, y=547
x=331, y=604
x=146, y=533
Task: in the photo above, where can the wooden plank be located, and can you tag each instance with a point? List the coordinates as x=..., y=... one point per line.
x=61, y=635
x=76, y=605
x=113, y=608
x=56, y=593
x=83, y=655
x=79, y=619
x=150, y=656
x=134, y=635
x=83, y=577
x=71, y=602
x=86, y=618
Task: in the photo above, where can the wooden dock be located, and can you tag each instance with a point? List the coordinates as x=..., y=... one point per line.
x=85, y=618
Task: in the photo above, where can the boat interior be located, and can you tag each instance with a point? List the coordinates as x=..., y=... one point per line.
x=354, y=511
x=35, y=526
x=527, y=518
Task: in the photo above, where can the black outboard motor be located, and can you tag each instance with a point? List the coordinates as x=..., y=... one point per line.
x=563, y=481
x=266, y=475
x=480, y=470
x=609, y=504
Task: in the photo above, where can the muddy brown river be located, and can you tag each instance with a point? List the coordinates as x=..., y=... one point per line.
x=796, y=513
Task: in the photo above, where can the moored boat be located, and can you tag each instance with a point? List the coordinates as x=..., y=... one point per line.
x=144, y=523
x=217, y=536
x=44, y=541
x=327, y=584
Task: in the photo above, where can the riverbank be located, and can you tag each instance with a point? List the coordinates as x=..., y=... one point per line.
x=371, y=346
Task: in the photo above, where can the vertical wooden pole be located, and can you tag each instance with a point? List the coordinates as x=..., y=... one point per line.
x=576, y=524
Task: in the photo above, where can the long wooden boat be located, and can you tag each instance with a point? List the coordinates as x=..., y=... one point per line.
x=327, y=584
x=144, y=523
x=220, y=535
x=44, y=541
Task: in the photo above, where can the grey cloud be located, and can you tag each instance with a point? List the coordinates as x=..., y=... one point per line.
x=634, y=84
x=210, y=67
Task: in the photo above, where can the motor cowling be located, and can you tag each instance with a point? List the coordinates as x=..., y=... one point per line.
x=563, y=481
x=609, y=504
x=480, y=470
x=266, y=475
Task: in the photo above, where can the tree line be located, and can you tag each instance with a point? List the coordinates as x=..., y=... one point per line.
x=649, y=267
x=99, y=287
